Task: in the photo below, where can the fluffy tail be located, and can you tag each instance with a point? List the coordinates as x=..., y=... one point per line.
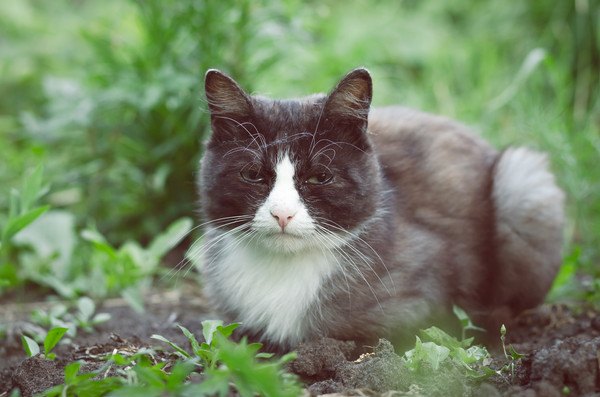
x=529, y=227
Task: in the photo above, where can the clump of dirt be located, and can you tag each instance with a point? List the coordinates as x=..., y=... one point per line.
x=36, y=374
x=572, y=362
x=373, y=373
x=562, y=351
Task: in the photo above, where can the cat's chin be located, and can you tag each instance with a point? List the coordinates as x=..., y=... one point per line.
x=295, y=243
x=285, y=243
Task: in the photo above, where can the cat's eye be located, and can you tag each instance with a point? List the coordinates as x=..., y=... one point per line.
x=253, y=173
x=320, y=178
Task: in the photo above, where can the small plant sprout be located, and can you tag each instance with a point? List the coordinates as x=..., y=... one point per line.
x=22, y=211
x=50, y=341
x=225, y=362
x=84, y=384
x=512, y=356
x=59, y=315
x=465, y=322
x=85, y=317
x=31, y=347
x=442, y=352
x=204, y=354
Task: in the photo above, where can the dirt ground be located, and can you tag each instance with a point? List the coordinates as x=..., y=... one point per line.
x=561, y=348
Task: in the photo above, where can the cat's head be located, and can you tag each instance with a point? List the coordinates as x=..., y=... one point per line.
x=292, y=174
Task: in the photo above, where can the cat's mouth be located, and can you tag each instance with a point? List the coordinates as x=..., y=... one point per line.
x=284, y=235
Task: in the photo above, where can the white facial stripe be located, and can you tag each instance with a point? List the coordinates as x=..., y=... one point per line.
x=284, y=202
x=284, y=197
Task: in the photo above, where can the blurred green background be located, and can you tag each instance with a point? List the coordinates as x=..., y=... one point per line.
x=107, y=96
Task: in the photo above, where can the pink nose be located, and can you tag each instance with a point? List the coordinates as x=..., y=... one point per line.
x=283, y=217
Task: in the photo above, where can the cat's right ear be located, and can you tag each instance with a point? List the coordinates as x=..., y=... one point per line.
x=229, y=105
x=224, y=95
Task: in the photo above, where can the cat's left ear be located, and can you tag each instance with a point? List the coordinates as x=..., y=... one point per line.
x=350, y=100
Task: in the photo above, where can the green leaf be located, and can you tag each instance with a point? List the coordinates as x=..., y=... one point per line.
x=465, y=321
x=215, y=383
x=178, y=349
x=470, y=356
x=435, y=354
x=482, y=374
x=461, y=315
x=52, y=338
x=99, y=243
x=178, y=375
x=31, y=189
x=86, y=308
x=438, y=336
x=566, y=275
x=190, y=337
x=135, y=391
x=134, y=298
x=289, y=357
x=427, y=352
x=227, y=330
x=152, y=376
x=14, y=225
x=467, y=342
x=170, y=238
x=209, y=327
x=31, y=347
x=13, y=207
x=120, y=359
x=101, y=318
x=513, y=353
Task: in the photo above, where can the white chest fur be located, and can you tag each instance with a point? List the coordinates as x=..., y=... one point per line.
x=274, y=291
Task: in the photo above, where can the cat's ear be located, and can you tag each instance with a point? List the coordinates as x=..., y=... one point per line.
x=350, y=100
x=224, y=95
x=229, y=105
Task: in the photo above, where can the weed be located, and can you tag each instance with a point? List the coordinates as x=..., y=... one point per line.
x=511, y=355
x=52, y=338
x=445, y=350
x=88, y=384
x=84, y=318
x=127, y=270
x=22, y=212
x=465, y=322
x=225, y=362
x=443, y=358
x=205, y=353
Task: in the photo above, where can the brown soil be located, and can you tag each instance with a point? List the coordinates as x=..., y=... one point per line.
x=561, y=348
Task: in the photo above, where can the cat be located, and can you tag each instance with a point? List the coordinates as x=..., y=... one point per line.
x=328, y=218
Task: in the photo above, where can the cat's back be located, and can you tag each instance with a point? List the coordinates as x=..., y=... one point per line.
x=438, y=166
x=440, y=175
